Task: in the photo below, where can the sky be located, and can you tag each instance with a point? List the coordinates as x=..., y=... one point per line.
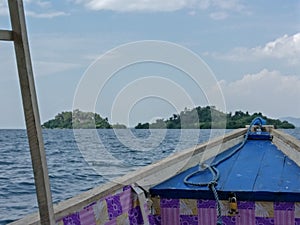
x=250, y=49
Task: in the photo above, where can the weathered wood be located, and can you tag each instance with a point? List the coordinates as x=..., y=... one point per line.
x=145, y=176
x=289, y=145
x=31, y=112
x=6, y=35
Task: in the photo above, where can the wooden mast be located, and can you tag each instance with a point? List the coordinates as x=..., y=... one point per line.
x=34, y=132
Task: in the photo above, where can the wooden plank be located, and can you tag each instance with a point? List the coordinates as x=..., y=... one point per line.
x=270, y=170
x=245, y=168
x=6, y=35
x=289, y=179
x=289, y=145
x=288, y=139
x=225, y=173
x=32, y=119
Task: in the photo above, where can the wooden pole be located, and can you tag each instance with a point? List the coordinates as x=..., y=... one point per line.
x=6, y=35
x=31, y=112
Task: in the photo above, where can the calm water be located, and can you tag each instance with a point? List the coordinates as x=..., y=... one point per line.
x=78, y=162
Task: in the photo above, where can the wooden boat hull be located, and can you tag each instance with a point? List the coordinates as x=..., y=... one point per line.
x=117, y=202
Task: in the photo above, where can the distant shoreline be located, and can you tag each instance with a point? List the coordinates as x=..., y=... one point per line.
x=198, y=118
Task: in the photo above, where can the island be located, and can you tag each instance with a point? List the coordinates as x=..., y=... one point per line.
x=197, y=118
x=77, y=120
x=201, y=117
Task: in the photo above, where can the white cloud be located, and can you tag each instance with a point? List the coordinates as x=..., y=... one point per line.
x=34, y=8
x=270, y=92
x=47, y=15
x=3, y=8
x=219, y=15
x=136, y=5
x=235, y=5
x=45, y=68
x=42, y=9
x=44, y=4
x=285, y=47
x=165, y=6
x=218, y=8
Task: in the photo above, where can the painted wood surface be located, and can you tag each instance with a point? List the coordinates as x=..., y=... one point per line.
x=258, y=172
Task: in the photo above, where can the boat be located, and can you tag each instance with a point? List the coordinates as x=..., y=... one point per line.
x=252, y=179
x=250, y=176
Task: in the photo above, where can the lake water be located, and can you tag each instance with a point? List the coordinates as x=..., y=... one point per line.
x=82, y=160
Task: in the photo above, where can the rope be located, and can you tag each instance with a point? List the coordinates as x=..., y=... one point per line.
x=215, y=172
x=219, y=213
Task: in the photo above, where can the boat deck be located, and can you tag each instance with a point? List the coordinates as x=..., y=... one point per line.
x=258, y=172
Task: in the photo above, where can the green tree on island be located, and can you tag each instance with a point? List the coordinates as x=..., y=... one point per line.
x=201, y=117
x=76, y=120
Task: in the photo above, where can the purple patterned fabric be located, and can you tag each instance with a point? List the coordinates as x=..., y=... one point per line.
x=188, y=220
x=169, y=203
x=72, y=219
x=264, y=221
x=126, y=199
x=154, y=219
x=111, y=222
x=86, y=215
x=135, y=216
x=250, y=213
x=206, y=204
x=228, y=220
x=286, y=206
x=126, y=188
x=297, y=221
x=114, y=207
x=246, y=205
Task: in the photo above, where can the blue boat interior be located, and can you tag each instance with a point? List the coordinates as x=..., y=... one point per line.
x=259, y=171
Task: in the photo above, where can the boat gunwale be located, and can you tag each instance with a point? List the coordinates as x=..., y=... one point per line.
x=289, y=145
x=287, y=139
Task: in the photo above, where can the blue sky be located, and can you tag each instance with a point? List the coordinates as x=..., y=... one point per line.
x=252, y=47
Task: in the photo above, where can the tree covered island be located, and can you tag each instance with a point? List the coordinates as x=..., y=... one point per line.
x=199, y=117
x=77, y=120
x=202, y=117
